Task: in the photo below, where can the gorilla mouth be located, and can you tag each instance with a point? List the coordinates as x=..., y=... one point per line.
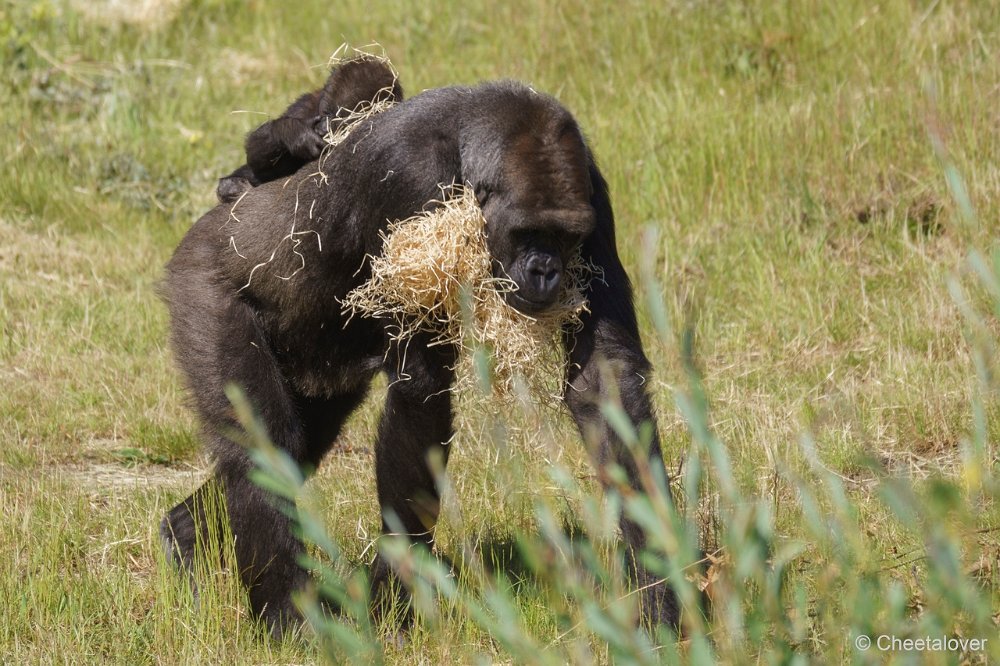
x=527, y=305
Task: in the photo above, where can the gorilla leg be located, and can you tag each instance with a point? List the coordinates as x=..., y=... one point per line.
x=323, y=419
x=280, y=146
x=266, y=551
x=416, y=425
x=232, y=187
x=218, y=340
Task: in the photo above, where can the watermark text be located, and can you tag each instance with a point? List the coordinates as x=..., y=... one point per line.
x=889, y=643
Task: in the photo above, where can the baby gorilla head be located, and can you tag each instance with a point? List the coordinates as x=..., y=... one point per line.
x=536, y=201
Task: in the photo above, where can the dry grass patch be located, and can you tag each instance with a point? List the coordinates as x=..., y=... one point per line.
x=147, y=14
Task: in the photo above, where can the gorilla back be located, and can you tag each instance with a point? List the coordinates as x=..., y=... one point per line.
x=254, y=290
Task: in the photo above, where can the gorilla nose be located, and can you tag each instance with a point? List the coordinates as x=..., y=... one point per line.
x=544, y=273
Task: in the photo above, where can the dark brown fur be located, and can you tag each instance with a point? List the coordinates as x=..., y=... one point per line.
x=254, y=300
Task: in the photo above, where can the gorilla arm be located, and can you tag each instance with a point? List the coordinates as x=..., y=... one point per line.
x=608, y=348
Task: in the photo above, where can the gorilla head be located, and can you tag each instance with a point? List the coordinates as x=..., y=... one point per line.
x=530, y=175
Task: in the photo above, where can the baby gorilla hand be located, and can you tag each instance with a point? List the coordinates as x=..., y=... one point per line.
x=308, y=143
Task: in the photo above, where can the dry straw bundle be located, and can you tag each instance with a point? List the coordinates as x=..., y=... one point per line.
x=435, y=275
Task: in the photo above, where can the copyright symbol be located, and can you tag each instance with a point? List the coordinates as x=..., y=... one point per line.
x=862, y=642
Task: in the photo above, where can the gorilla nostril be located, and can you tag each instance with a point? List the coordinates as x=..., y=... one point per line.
x=549, y=281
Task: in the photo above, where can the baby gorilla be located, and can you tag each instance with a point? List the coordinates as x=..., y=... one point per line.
x=279, y=147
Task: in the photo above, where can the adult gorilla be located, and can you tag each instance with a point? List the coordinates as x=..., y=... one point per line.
x=254, y=300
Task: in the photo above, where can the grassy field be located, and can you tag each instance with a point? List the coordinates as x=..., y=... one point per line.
x=800, y=185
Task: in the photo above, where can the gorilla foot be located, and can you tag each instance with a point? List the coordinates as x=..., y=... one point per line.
x=179, y=532
x=231, y=188
x=390, y=603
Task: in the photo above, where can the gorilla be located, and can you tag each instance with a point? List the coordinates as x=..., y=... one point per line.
x=254, y=296
x=279, y=147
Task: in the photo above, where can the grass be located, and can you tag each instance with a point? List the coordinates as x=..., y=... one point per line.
x=777, y=186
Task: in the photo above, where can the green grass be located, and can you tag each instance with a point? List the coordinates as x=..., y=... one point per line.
x=805, y=232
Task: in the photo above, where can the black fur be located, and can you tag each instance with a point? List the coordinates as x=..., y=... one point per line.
x=254, y=299
x=279, y=147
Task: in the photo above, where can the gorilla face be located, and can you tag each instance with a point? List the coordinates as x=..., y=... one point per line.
x=532, y=246
x=537, y=213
